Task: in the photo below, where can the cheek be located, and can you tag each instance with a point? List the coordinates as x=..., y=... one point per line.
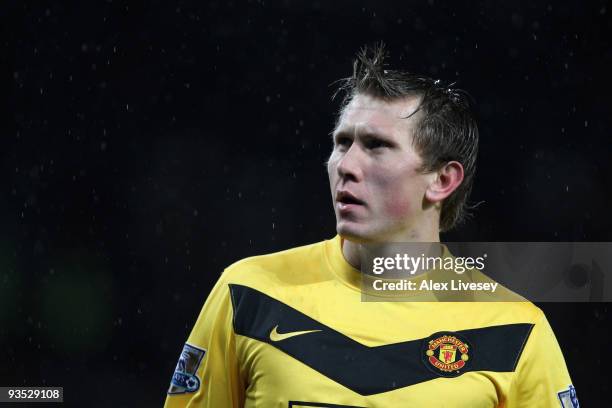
x=398, y=204
x=399, y=195
x=331, y=169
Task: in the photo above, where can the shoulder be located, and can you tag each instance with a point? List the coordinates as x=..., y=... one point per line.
x=277, y=259
x=523, y=310
x=502, y=305
x=501, y=292
x=496, y=313
x=294, y=264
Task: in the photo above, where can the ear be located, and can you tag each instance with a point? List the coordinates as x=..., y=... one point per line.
x=447, y=179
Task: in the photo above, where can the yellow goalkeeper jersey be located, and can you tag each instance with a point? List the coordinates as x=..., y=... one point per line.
x=290, y=329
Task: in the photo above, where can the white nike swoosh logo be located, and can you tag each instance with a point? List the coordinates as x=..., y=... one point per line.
x=276, y=336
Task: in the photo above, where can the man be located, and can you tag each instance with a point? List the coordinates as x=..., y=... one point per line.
x=291, y=330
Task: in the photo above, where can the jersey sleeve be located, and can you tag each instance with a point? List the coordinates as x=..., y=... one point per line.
x=541, y=377
x=208, y=373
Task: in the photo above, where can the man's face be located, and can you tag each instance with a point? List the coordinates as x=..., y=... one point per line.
x=377, y=188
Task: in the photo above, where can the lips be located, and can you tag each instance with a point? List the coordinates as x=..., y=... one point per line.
x=346, y=197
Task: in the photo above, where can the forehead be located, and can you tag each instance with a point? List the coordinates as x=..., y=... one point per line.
x=375, y=114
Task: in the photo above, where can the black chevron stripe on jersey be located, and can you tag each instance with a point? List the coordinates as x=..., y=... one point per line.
x=365, y=370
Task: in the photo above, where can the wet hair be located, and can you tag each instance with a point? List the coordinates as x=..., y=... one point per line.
x=446, y=129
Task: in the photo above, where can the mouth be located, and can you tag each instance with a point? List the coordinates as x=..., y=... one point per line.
x=346, y=198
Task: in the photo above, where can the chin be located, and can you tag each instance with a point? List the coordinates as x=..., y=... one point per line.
x=354, y=233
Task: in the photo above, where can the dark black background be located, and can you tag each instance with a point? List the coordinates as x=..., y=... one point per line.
x=148, y=145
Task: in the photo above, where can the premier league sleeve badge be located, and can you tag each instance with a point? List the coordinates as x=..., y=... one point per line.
x=568, y=398
x=184, y=378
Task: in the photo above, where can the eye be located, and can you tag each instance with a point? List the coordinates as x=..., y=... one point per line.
x=343, y=141
x=373, y=143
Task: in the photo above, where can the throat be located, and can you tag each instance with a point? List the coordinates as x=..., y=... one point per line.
x=351, y=253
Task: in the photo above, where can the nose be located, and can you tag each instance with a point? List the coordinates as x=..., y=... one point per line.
x=350, y=165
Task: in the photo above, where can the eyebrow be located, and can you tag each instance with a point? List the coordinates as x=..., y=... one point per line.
x=364, y=134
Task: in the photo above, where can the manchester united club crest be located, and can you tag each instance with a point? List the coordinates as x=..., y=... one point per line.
x=446, y=354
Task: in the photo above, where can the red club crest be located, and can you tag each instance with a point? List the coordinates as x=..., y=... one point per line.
x=446, y=354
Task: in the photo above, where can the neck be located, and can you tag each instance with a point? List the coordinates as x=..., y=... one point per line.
x=352, y=250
